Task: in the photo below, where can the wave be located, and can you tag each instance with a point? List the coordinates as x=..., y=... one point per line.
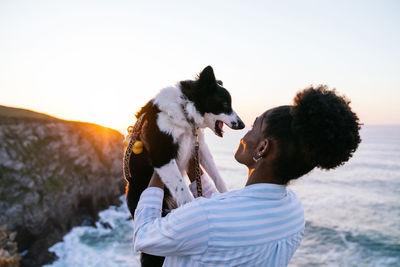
x=109, y=243
x=335, y=247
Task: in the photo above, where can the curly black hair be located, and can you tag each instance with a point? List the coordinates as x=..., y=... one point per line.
x=318, y=130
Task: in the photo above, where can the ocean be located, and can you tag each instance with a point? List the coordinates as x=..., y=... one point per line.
x=352, y=213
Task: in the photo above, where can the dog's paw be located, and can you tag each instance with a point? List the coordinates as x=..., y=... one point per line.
x=220, y=185
x=182, y=196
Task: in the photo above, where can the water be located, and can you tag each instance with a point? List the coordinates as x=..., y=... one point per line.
x=352, y=213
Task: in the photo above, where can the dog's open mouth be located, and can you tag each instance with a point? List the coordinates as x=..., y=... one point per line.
x=218, y=128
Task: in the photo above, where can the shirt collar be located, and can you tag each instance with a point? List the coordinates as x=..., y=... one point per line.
x=264, y=190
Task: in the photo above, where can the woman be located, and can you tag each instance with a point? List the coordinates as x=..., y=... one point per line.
x=263, y=223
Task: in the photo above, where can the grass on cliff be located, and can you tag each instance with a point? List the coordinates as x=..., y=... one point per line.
x=19, y=113
x=22, y=113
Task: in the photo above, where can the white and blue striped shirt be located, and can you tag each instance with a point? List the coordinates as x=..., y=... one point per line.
x=259, y=225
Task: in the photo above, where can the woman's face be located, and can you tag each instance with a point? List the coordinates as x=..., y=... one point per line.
x=248, y=144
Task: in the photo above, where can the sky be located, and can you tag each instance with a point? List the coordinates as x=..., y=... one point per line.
x=100, y=61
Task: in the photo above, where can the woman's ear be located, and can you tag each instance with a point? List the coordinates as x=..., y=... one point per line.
x=263, y=148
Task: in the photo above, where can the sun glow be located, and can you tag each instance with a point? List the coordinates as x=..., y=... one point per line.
x=97, y=62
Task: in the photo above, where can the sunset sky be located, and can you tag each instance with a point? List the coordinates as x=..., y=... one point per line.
x=100, y=61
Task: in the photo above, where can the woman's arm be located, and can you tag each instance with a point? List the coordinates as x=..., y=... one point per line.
x=184, y=231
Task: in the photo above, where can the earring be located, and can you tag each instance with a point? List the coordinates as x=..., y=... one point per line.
x=257, y=159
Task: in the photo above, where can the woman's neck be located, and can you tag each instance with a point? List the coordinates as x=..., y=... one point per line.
x=261, y=174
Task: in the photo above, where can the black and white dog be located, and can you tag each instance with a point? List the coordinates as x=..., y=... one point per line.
x=170, y=118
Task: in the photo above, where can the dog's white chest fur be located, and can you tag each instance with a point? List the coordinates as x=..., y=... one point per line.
x=173, y=121
x=182, y=135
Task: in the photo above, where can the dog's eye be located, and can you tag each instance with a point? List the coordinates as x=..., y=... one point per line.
x=225, y=105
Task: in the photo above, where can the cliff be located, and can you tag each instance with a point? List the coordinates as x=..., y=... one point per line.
x=54, y=175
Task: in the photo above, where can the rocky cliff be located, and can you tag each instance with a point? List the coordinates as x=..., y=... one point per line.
x=54, y=175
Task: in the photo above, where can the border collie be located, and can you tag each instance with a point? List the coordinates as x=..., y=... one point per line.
x=171, y=117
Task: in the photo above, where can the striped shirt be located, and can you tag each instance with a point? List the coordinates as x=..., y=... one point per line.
x=259, y=225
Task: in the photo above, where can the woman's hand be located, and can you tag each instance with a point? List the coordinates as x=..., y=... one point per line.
x=191, y=171
x=155, y=181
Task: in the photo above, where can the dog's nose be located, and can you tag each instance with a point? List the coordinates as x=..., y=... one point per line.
x=237, y=125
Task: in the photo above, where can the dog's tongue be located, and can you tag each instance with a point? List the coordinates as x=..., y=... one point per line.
x=220, y=125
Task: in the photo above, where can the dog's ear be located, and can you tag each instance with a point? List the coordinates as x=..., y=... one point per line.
x=207, y=76
x=220, y=82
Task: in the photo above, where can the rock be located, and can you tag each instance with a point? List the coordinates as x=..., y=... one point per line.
x=54, y=175
x=12, y=236
x=106, y=225
x=3, y=235
x=8, y=248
